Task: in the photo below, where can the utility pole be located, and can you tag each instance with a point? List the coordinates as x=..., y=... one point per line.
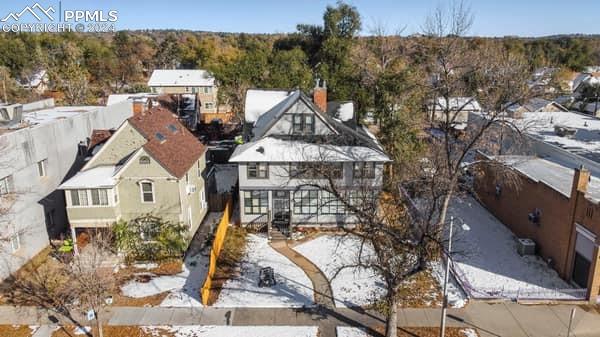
x=446, y=275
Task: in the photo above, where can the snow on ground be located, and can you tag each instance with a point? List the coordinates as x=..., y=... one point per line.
x=487, y=261
x=293, y=288
x=344, y=331
x=352, y=286
x=184, y=287
x=456, y=297
x=236, y=331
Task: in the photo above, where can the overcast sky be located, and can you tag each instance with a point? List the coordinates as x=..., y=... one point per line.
x=492, y=17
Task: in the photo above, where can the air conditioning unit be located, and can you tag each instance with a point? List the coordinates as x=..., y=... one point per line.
x=525, y=246
x=190, y=189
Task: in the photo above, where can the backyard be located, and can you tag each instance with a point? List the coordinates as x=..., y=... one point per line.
x=487, y=262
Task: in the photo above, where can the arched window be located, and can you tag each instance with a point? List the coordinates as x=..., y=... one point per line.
x=144, y=160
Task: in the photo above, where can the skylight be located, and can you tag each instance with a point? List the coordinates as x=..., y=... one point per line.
x=172, y=127
x=160, y=136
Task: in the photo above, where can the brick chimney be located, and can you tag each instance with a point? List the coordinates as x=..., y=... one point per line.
x=581, y=179
x=320, y=95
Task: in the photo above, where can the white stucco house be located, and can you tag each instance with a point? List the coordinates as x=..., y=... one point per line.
x=287, y=133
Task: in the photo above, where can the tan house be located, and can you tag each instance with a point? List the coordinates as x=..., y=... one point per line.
x=196, y=83
x=150, y=165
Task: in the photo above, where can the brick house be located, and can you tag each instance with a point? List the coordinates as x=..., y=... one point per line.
x=555, y=206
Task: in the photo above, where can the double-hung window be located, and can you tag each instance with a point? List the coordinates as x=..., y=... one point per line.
x=256, y=202
x=306, y=202
x=330, y=204
x=99, y=197
x=5, y=185
x=365, y=170
x=258, y=170
x=79, y=198
x=42, y=167
x=147, y=190
x=303, y=123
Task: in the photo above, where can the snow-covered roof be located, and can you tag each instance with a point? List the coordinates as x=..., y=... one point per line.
x=97, y=177
x=592, y=108
x=52, y=114
x=343, y=111
x=456, y=103
x=259, y=101
x=118, y=98
x=558, y=177
x=585, y=141
x=180, y=78
x=534, y=104
x=578, y=79
x=271, y=149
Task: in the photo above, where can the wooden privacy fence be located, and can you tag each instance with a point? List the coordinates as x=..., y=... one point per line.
x=216, y=250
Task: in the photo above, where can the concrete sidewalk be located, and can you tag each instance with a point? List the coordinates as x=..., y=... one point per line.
x=490, y=320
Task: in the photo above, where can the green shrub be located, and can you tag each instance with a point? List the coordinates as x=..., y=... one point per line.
x=150, y=238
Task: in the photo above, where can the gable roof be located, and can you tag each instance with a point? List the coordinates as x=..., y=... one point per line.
x=535, y=104
x=259, y=101
x=180, y=78
x=168, y=142
x=456, y=103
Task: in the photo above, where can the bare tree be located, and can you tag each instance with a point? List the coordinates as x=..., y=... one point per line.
x=69, y=285
x=459, y=76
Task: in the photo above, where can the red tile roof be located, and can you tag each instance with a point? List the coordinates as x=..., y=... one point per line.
x=168, y=142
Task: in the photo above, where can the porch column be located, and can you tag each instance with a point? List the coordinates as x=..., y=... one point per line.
x=74, y=238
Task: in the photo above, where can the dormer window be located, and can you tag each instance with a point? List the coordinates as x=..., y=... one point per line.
x=304, y=123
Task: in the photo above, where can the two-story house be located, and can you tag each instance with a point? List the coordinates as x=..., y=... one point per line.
x=288, y=133
x=150, y=165
x=198, y=84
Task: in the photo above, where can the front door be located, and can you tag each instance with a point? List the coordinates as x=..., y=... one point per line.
x=281, y=209
x=584, y=253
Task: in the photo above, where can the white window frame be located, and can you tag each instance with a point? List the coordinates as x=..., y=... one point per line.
x=100, y=200
x=202, y=199
x=142, y=192
x=207, y=90
x=190, y=217
x=16, y=238
x=6, y=185
x=42, y=168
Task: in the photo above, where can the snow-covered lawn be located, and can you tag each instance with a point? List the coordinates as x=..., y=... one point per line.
x=183, y=288
x=487, y=261
x=236, y=331
x=456, y=297
x=293, y=288
x=351, y=286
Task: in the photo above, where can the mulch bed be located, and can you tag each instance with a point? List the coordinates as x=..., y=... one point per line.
x=15, y=331
x=115, y=331
x=421, y=291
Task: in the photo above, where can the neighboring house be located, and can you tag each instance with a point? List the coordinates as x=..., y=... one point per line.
x=541, y=80
x=534, y=105
x=37, y=82
x=459, y=110
x=150, y=165
x=196, y=82
x=40, y=146
x=141, y=101
x=288, y=132
x=555, y=206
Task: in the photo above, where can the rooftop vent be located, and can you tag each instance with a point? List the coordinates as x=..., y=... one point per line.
x=11, y=114
x=564, y=131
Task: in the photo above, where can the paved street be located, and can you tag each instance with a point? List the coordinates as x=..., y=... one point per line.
x=490, y=320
